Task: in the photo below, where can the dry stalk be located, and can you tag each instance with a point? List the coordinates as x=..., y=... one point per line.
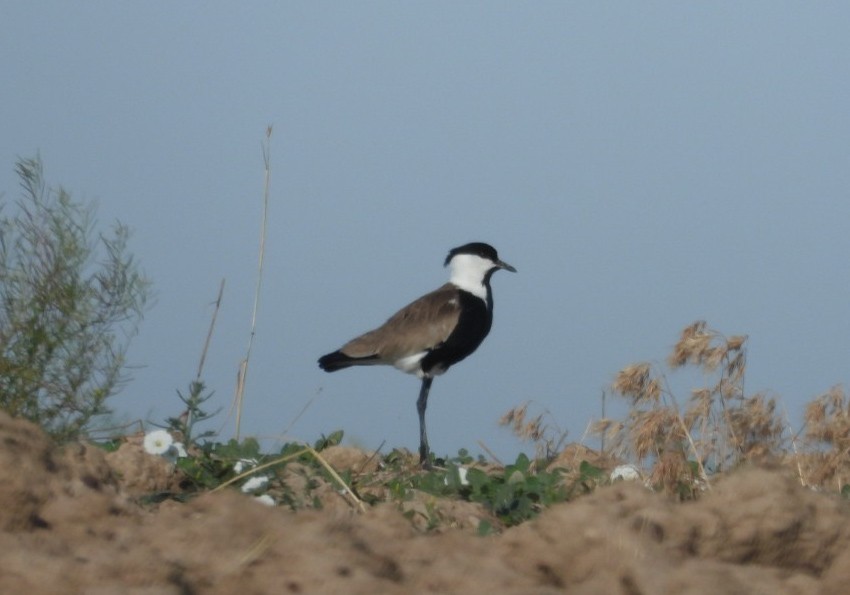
x=794, y=448
x=242, y=375
x=703, y=475
x=210, y=331
x=301, y=412
x=257, y=549
x=547, y=437
x=491, y=453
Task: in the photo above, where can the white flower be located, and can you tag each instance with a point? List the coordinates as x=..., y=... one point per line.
x=255, y=483
x=158, y=442
x=625, y=473
x=461, y=475
x=265, y=499
x=243, y=464
x=174, y=452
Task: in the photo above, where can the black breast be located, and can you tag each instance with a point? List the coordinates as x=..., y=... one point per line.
x=473, y=325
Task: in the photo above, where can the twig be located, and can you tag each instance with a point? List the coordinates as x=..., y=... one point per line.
x=242, y=376
x=111, y=430
x=491, y=453
x=602, y=435
x=253, y=470
x=697, y=458
x=583, y=436
x=371, y=456
x=210, y=332
x=339, y=479
x=794, y=447
x=257, y=549
x=302, y=412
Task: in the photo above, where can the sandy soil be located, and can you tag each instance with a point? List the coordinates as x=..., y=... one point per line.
x=70, y=524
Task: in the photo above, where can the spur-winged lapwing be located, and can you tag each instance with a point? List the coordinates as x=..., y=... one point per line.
x=436, y=331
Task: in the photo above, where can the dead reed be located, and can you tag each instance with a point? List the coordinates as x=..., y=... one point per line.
x=718, y=427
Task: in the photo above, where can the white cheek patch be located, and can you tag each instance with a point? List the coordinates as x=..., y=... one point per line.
x=468, y=271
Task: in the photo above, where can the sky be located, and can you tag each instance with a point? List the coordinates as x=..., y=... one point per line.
x=642, y=164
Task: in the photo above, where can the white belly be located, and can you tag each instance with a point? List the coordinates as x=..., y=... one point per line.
x=410, y=364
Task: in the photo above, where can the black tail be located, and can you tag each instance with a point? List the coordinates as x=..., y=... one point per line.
x=338, y=360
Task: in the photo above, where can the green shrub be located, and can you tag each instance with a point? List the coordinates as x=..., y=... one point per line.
x=70, y=300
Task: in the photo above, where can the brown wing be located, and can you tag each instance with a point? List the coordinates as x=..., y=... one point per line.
x=417, y=327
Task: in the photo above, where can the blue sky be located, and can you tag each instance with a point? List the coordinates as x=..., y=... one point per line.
x=643, y=165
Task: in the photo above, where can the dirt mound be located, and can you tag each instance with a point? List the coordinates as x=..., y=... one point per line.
x=70, y=525
x=756, y=531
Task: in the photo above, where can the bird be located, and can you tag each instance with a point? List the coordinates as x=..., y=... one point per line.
x=434, y=332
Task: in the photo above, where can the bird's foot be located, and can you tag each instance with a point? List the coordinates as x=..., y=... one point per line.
x=425, y=457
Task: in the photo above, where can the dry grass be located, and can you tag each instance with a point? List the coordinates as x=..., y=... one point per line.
x=682, y=443
x=718, y=427
x=548, y=438
x=826, y=439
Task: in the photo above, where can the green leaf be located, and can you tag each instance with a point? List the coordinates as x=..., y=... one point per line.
x=232, y=450
x=478, y=480
x=590, y=472
x=522, y=462
x=516, y=476
x=327, y=441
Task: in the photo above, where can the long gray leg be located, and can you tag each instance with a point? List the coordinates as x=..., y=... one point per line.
x=421, y=404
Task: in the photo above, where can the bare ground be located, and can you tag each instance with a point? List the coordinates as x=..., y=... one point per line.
x=70, y=523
